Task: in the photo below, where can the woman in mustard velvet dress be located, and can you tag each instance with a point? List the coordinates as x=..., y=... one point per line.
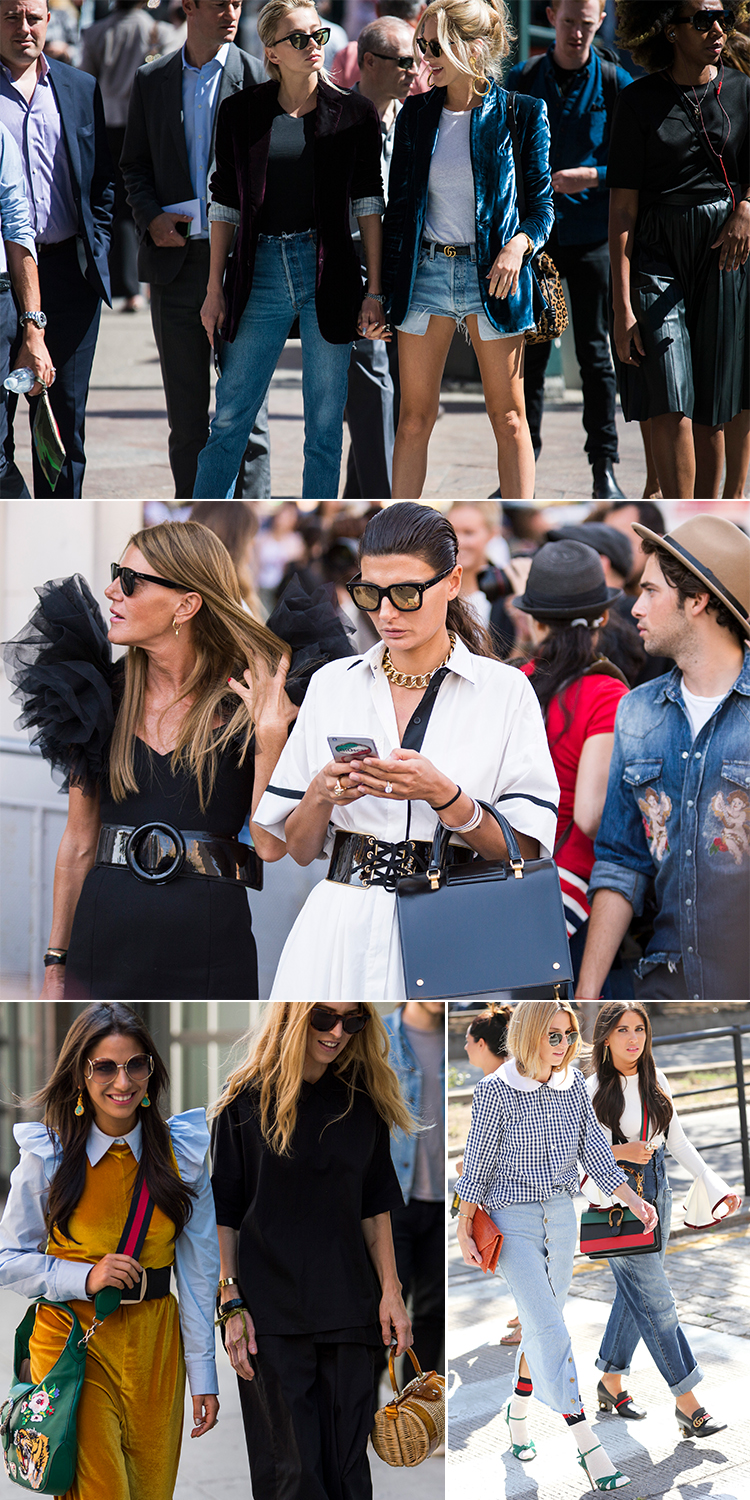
x=73, y=1189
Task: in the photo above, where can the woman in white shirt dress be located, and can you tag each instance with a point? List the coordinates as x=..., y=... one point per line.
x=633, y=1103
x=451, y=723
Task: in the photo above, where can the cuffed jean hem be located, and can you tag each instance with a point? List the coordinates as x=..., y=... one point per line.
x=688, y=1382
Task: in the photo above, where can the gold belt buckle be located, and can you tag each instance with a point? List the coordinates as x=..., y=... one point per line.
x=449, y=250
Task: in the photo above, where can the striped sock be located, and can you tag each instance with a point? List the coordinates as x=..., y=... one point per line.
x=598, y=1461
x=518, y=1410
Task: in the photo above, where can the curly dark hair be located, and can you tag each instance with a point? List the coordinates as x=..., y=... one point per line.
x=642, y=27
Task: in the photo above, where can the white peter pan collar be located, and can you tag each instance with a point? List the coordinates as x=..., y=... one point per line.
x=461, y=662
x=98, y=1143
x=509, y=1074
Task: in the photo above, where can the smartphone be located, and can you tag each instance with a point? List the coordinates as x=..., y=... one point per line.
x=346, y=747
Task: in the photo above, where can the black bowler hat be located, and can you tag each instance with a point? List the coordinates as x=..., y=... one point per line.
x=604, y=539
x=566, y=579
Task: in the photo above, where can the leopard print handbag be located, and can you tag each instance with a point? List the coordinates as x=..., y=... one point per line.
x=554, y=319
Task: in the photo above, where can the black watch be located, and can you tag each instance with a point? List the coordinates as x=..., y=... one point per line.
x=39, y=319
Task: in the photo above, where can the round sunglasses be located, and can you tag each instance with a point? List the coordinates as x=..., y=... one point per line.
x=300, y=39
x=323, y=1019
x=555, y=1037
x=403, y=596
x=434, y=48
x=105, y=1069
x=703, y=20
x=127, y=577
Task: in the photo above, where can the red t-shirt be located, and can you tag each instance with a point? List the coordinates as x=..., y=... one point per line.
x=592, y=701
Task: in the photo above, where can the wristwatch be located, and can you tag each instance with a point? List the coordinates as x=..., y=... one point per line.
x=39, y=319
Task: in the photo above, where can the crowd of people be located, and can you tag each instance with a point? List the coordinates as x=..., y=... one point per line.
x=589, y=688
x=377, y=200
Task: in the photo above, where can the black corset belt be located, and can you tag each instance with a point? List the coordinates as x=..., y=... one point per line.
x=360, y=859
x=157, y=853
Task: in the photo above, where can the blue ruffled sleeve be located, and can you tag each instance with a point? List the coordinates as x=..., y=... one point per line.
x=24, y=1267
x=197, y=1264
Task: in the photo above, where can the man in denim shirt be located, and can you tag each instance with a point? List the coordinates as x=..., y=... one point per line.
x=579, y=88
x=678, y=799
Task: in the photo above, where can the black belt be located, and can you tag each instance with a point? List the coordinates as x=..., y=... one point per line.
x=450, y=250
x=360, y=859
x=43, y=249
x=154, y=1282
x=157, y=853
x=5, y=282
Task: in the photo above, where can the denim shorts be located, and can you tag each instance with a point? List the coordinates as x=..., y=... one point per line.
x=448, y=287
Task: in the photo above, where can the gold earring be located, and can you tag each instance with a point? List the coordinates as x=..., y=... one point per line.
x=479, y=78
x=145, y=1102
x=79, y=1109
x=606, y=1054
x=176, y=628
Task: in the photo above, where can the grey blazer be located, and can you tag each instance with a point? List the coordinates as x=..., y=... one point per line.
x=154, y=161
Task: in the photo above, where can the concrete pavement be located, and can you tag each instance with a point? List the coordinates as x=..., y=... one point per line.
x=126, y=431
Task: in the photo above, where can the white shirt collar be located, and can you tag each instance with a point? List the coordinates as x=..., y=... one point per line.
x=218, y=61
x=98, y=1143
x=509, y=1074
x=461, y=662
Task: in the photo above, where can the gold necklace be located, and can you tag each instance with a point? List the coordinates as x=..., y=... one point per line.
x=410, y=679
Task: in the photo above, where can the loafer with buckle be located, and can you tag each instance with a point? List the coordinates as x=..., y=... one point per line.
x=622, y=1404
x=699, y=1425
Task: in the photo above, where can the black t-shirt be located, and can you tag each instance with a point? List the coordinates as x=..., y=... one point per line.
x=288, y=206
x=303, y=1265
x=566, y=77
x=657, y=145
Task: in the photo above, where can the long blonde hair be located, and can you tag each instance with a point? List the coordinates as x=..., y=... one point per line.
x=477, y=32
x=275, y=1064
x=227, y=641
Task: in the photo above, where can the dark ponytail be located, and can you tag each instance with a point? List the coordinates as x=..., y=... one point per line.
x=413, y=530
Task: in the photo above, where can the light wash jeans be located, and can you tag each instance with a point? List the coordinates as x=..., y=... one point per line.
x=644, y=1307
x=283, y=289
x=536, y=1259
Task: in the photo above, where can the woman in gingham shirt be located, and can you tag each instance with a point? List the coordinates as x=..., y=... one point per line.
x=531, y=1123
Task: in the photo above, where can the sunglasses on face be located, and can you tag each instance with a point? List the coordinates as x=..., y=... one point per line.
x=127, y=577
x=105, y=1070
x=300, y=39
x=401, y=62
x=403, y=596
x=703, y=20
x=555, y=1037
x=323, y=1019
x=434, y=48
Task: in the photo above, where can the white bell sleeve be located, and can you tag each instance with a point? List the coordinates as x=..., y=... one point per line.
x=709, y=1190
x=197, y=1264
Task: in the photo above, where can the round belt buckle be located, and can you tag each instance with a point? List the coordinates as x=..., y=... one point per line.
x=156, y=874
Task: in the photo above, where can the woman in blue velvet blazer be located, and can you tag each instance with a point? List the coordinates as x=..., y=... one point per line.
x=453, y=169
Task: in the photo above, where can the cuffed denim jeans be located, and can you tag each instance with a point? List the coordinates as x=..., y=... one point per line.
x=536, y=1259
x=644, y=1307
x=283, y=289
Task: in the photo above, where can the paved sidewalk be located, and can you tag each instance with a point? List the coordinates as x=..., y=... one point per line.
x=215, y=1467
x=126, y=431
x=710, y=1275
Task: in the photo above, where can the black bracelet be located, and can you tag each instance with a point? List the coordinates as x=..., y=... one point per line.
x=54, y=958
x=448, y=804
x=225, y=1309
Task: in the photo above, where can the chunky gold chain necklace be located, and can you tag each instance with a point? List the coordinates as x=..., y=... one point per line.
x=409, y=679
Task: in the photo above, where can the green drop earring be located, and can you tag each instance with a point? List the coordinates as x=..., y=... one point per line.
x=79, y=1109
x=145, y=1102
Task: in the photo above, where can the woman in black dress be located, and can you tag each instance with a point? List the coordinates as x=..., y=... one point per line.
x=679, y=179
x=303, y=1184
x=159, y=750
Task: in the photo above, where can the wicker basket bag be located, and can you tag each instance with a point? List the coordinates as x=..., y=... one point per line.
x=411, y=1426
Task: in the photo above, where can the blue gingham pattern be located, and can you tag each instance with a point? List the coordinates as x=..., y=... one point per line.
x=524, y=1147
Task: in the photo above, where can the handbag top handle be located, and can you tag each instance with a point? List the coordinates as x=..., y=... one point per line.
x=441, y=841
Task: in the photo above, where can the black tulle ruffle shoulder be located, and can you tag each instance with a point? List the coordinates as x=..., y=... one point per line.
x=309, y=624
x=61, y=666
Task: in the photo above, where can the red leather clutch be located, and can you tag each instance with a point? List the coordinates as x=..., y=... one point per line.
x=487, y=1238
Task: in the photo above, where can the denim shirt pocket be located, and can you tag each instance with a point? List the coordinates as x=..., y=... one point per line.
x=644, y=777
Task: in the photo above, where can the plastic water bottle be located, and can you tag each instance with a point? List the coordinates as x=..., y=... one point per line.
x=20, y=380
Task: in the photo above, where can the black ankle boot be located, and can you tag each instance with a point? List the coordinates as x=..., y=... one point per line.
x=605, y=486
x=621, y=1403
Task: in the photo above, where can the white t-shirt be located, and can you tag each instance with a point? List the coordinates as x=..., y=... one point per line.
x=451, y=208
x=700, y=709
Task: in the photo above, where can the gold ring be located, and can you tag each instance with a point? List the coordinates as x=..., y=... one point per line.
x=338, y=790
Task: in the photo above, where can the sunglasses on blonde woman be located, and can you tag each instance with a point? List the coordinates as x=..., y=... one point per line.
x=555, y=1037
x=434, y=48
x=323, y=1019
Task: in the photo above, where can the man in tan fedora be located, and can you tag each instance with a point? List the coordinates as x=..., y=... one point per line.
x=676, y=821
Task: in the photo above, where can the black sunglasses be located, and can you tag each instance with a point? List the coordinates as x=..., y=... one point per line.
x=127, y=577
x=433, y=47
x=104, y=1069
x=703, y=20
x=403, y=596
x=300, y=39
x=323, y=1019
x=403, y=62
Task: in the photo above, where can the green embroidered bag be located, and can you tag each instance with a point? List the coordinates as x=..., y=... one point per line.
x=38, y=1422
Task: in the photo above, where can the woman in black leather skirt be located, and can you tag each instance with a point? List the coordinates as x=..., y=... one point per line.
x=679, y=179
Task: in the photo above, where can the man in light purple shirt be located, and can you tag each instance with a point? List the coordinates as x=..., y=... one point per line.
x=18, y=274
x=55, y=116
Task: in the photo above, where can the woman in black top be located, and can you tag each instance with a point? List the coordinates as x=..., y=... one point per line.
x=159, y=753
x=304, y=1183
x=292, y=156
x=679, y=178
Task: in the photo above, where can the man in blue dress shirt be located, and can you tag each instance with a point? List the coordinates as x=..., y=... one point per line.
x=18, y=274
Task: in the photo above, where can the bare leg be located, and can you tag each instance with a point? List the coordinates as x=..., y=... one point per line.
x=501, y=369
x=421, y=364
x=737, y=448
x=674, y=455
x=709, y=460
x=523, y=1368
x=651, y=489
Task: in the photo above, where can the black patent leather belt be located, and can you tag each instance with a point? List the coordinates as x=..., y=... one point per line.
x=154, y=1282
x=360, y=859
x=157, y=853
